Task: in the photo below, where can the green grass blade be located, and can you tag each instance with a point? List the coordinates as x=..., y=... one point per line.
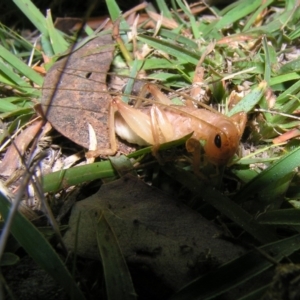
x=115, y=13
x=20, y=66
x=158, y=63
x=257, y=294
x=58, y=43
x=135, y=68
x=7, y=106
x=183, y=55
x=33, y=14
x=279, y=20
x=290, y=217
x=239, y=216
x=117, y=276
x=250, y=100
x=267, y=73
x=163, y=8
x=34, y=243
x=244, y=8
x=19, y=121
x=7, y=76
x=283, y=78
x=265, y=181
x=286, y=95
x=295, y=34
x=223, y=204
x=292, y=66
x=254, y=16
x=52, y=40
x=173, y=36
x=192, y=20
x=65, y=178
x=122, y=165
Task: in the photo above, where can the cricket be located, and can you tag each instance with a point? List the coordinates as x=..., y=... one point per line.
x=164, y=122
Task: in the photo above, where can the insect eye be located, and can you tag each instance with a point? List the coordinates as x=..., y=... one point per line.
x=218, y=142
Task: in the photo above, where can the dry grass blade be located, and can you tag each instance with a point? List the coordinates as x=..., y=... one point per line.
x=12, y=159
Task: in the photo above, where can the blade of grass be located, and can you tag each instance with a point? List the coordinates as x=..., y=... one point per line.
x=173, y=36
x=222, y=203
x=290, y=217
x=33, y=14
x=163, y=9
x=183, y=55
x=257, y=294
x=286, y=95
x=34, y=243
x=192, y=20
x=16, y=113
x=51, y=37
x=278, y=21
x=115, y=13
x=157, y=63
x=291, y=66
x=242, y=9
x=267, y=73
x=15, y=37
x=20, y=66
x=294, y=34
x=8, y=105
x=58, y=43
x=135, y=68
x=65, y=178
x=283, y=78
x=18, y=122
x=266, y=180
x=122, y=165
x=117, y=276
x=255, y=14
x=250, y=100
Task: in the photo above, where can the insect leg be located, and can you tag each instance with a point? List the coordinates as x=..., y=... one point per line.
x=157, y=94
x=194, y=147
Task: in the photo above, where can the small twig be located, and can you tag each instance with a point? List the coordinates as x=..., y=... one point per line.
x=276, y=113
x=11, y=138
x=118, y=39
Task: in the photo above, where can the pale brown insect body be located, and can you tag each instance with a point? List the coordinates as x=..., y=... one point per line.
x=164, y=123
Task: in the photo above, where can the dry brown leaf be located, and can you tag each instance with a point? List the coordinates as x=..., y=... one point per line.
x=81, y=97
x=12, y=159
x=77, y=100
x=154, y=231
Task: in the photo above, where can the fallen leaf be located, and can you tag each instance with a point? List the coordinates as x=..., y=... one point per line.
x=154, y=231
x=80, y=97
